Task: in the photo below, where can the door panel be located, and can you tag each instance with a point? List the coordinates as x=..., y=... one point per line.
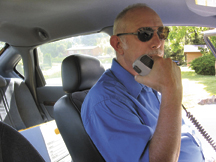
x=47, y=96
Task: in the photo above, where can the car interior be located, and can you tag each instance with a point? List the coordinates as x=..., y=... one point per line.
x=29, y=97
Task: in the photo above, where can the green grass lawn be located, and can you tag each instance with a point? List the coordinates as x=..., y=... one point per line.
x=208, y=81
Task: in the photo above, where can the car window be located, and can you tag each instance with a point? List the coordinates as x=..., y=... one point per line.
x=19, y=68
x=2, y=44
x=52, y=54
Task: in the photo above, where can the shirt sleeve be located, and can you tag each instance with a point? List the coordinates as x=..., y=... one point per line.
x=118, y=132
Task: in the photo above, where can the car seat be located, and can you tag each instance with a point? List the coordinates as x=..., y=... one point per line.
x=17, y=106
x=79, y=74
x=15, y=147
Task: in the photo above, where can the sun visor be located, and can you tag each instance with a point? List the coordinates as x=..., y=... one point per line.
x=202, y=7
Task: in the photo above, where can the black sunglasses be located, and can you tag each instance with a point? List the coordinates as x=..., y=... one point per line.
x=146, y=33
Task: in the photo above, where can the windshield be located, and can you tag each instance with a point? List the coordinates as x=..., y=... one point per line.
x=2, y=44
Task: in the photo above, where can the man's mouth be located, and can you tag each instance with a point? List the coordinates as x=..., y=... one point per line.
x=155, y=52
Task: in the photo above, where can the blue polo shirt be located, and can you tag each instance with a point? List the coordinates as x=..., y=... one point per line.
x=120, y=116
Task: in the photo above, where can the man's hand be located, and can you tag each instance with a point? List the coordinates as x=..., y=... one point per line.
x=165, y=77
x=165, y=74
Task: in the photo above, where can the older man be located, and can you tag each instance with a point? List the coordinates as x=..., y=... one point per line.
x=129, y=121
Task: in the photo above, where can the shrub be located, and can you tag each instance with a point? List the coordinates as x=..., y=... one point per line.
x=204, y=65
x=48, y=60
x=57, y=59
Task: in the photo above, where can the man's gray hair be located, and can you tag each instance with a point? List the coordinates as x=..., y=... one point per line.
x=122, y=14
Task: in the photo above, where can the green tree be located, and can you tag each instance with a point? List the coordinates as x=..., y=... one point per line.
x=47, y=59
x=61, y=49
x=57, y=48
x=213, y=40
x=88, y=40
x=180, y=36
x=194, y=36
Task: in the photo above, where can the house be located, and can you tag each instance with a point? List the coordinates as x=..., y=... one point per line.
x=89, y=50
x=192, y=52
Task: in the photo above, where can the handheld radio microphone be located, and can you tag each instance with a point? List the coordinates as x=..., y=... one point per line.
x=143, y=65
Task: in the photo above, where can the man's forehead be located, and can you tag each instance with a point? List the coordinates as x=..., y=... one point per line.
x=140, y=12
x=137, y=18
x=144, y=17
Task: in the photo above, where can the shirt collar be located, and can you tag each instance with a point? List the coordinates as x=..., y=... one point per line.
x=127, y=79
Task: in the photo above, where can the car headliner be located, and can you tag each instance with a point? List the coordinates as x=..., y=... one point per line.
x=34, y=22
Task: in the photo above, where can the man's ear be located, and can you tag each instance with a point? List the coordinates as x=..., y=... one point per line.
x=116, y=44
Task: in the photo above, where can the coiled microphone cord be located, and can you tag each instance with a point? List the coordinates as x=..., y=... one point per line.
x=200, y=129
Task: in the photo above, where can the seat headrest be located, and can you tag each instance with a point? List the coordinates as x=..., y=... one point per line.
x=3, y=82
x=80, y=72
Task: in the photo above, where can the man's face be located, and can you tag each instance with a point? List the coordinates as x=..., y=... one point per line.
x=132, y=46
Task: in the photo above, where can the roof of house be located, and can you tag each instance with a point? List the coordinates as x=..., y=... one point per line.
x=193, y=48
x=82, y=48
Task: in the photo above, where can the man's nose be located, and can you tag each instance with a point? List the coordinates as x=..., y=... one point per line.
x=156, y=42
